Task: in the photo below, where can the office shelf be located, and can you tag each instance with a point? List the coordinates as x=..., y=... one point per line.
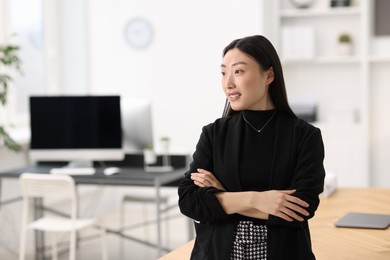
x=325, y=12
x=379, y=59
x=324, y=60
x=339, y=83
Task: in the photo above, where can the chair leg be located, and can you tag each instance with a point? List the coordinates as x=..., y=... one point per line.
x=54, y=251
x=104, y=243
x=22, y=249
x=72, y=245
x=121, y=229
x=23, y=231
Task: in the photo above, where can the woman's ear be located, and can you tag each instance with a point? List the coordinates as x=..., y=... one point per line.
x=270, y=75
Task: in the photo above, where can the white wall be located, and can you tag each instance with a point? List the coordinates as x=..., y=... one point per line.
x=379, y=119
x=74, y=38
x=179, y=73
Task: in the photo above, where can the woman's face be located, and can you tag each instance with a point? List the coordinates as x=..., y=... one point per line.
x=244, y=82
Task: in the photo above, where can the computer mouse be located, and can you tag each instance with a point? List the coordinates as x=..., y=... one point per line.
x=111, y=170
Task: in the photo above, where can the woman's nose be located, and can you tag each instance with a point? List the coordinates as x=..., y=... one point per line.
x=231, y=86
x=230, y=82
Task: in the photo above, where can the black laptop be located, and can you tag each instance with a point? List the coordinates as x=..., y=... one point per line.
x=364, y=220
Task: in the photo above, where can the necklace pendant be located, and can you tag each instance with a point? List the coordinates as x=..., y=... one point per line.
x=254, y=128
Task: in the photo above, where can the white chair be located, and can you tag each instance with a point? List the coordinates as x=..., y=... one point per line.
x=35, y=185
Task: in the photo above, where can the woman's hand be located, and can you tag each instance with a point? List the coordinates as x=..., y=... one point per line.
x=204, y=178
x=280, y=203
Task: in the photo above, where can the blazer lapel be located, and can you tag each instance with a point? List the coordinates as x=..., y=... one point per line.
x=232, y=154
x=282, y=156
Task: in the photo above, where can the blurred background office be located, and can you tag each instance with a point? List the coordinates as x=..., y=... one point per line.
x=168, y=53
x=77, y=47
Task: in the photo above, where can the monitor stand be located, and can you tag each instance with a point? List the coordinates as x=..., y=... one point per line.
x=79, y=164
x=75, y=168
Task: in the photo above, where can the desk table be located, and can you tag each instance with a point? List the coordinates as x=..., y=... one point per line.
x=330, y=242
x=128, y=176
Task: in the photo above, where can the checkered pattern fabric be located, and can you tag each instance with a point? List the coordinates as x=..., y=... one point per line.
x=250, y=242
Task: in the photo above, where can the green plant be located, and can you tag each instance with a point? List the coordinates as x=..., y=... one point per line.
x=345, y=37
x=9, y=60
x=149, y=147
x=165, y=138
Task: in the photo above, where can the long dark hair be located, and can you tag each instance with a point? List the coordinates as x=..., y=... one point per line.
x=262, y=50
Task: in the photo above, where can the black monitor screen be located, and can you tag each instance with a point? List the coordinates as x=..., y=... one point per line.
x=75, y=122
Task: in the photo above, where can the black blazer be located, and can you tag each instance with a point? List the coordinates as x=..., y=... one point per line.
x=297, y=164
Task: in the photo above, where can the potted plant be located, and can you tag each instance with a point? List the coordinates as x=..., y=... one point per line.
x=345, y=44
x=149, y=155
x=9, y=60
x=165, y=144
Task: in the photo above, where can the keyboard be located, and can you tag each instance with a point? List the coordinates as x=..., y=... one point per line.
x=74, y=171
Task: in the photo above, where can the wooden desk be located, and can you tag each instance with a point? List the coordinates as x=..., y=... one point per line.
x=331, y=243
x=334, y=243
x=181, y=253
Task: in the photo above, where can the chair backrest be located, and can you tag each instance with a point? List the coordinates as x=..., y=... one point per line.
x=36, y=185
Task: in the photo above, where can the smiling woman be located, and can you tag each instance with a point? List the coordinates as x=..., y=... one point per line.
x=257, y=172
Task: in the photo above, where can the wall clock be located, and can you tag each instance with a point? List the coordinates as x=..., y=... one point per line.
x=139, y=33
x=302, y=3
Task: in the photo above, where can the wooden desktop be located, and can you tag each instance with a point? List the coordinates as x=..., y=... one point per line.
x=330, y=242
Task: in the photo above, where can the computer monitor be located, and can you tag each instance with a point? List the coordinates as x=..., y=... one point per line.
x=75, y=128
x=137, y=124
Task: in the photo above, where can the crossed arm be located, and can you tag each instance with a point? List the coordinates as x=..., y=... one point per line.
x=280, y=203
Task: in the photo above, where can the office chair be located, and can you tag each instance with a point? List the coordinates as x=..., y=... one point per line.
x=35, y=185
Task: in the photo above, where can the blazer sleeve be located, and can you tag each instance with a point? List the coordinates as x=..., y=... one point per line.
x=195, y=202
x=307, y=176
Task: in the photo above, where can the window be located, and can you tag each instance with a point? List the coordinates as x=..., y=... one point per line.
x=25, y=28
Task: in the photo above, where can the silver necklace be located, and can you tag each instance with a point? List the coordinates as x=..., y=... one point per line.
x=254, y=128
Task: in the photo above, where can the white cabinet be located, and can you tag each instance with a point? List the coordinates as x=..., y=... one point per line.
x=343, y=154
x=338, y=83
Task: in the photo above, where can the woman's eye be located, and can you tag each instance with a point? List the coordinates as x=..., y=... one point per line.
x=238, y=72
x=223, y=73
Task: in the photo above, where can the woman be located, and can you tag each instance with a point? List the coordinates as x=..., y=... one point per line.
x=257, y=172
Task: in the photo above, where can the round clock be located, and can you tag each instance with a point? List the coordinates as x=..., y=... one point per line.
x=139, y=33
x=302, y=3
